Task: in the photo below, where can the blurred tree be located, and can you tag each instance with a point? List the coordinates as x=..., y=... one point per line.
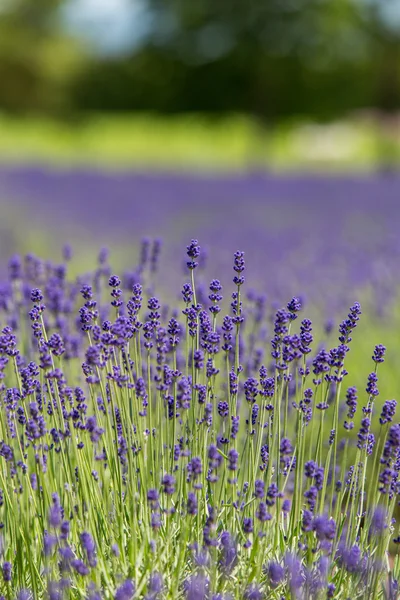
x=37, y=62
x=384, y=29
x=273, y=59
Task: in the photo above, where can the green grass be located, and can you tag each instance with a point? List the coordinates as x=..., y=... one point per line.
x=194, y=142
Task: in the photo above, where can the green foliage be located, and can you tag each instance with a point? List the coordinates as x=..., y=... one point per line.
x=37, y=62
x=273, y=59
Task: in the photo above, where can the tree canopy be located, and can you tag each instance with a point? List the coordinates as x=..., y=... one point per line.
x=273, y=59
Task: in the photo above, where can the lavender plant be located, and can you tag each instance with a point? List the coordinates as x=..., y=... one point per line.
x=163, y=451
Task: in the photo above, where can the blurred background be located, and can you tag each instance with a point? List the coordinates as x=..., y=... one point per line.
x=270, y=126
x=232, y=84
x=259, y=84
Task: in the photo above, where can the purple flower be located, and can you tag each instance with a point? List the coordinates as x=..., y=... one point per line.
x=349, y=324
x=193, y=252
x=351, y=401
x=215, y=296
x=89, y=547
x=262, y=513
x=155, y=520
x=55, y=516
x=155, y=255
x=330, y=591
x=54, y=590
x=196, y=587
x=228, y=553
x=168, y=482
x=67, y=252
x=194, y=468
x=238, y=266
x=114, y=281
x=310, y=469
x=372, y=388
x=49, y=541
x=144, y=253
x=15, y=267
x=233, y=385
x=332, y=435
x=248, y=525
x=80, y=567
x=126, y=591
x=363, y=433
x=154, y=587
x=294, y=572
x=306, y=337
x=393, y=588
x=198, y=359
x=173, y=330
x=93, y=594
x=152, y=497
x=192, y=507
x=227, y=327
x=379, y=354
x=7, y=572
x=259, y=488
x=379, y=520
x=294, y=305
x=233, y=457
x=311, y=497
x=187, y=293
x=285, y=446
x=251, y=389
x=276, y=573
x=350, y=558
x=307, y=520
x=103, y=256
x=223, y=409
x=234, y=426
x=324, y=527
x=272, y=494
x=36, y=295
x=388, y=412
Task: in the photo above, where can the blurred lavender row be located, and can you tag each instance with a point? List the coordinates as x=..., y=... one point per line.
x=323, y=236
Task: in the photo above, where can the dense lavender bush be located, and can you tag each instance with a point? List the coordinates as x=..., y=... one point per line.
x=194, y=450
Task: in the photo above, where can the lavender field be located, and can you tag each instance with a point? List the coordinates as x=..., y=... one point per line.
x=303, y=234
x=197, y=390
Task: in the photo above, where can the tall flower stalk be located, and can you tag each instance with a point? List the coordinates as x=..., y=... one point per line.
x=145, y=457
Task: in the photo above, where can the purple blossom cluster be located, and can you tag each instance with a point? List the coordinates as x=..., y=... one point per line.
x=157, y=450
